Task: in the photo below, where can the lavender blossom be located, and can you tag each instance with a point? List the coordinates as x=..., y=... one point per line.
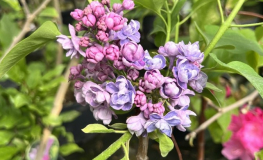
x=135, y=124
x=183, y=115
x=199, y=83
x=132, y=74
x=129, y=33
x=71, y=45
x=157, y=62
x=190, y=52
x=95, y=53
x=132, y=55
x=115, y=21
x=163, y=123
x=77, y=14
x=104, y=113
x=170, y=50
x=183, y=100
x=122, y=94
x=150, y=108
x=118, y=64
x=152, y=79
x=94, y=94
x=128, y=4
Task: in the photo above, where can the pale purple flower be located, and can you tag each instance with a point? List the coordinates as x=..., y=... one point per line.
x=84, y=41
x=71, y=45
x=183, y=115
x=157, y=62
x=129, y=33
x=117, y=8
x=115, y=21
x=183, y=100
x=135, y=124
x=112, y=52
x=199, y=83
x=153, y=79
x=133, y=55
x=184, y=72
x=170, y=50
x=140, y=99
x=78, y=84
x=150, y=108
x=104, y=113
x=102, y=36
x=77, y=14
x=163, y=123
x=75, y=72
x=170, y=89
x=95, y=53
x=122, y=94
x=128, y=4
x=132, y=74
x=190, y=51
x=89, y=20
x=79, y=96
x=94, y=94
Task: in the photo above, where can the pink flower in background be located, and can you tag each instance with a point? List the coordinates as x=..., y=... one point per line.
x=247, y=135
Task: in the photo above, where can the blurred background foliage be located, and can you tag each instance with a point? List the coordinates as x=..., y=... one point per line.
x=27, y=91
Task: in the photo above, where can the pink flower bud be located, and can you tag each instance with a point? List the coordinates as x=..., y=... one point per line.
x=102, y=76
x=128, y=4
x=89, y=20
x=118, y=64
x=117, y=7
x=133, y=74
x=101, y=23
x=140, y=99
x=112, y=52
x=78, y=84
x=102, y=36
x=95, y=54
x=84, y=41
x=77, y=14
x=105, y=2
x=132, y=52
x=115, y=21
x=79, y=27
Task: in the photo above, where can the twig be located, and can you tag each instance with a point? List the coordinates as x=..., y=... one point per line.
x=246, y=13
x=25, y=7
x=143, y=148
x=201, y=135
x=219, y=114
x=26, y=27
x=177, y=148
x=59, y=22
x=211, y=104
x=57, y=107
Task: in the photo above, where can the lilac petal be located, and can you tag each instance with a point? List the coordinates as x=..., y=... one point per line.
x=116, y=106
x=70, y=52
x=155, y=116
x=127, y=107
x=150, y=126
x=183, y=101
x=181, y=128
x=110, y=87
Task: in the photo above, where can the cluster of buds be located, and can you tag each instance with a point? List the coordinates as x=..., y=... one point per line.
x=108, y=78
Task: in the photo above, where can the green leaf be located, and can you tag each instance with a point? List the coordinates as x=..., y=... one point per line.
x=70, y=148
x=49, y=12
x=33, y=79
x=207, y=93
x=118, y=126
x=53, y=73
x=153, y=5
x=7, y=152
x=97, y=128
x=206, y=40
x=14, y=4
x=159, y=39
x=242, y=69
x=20, y=100
x=5, y=137
x=52, y=120
x=69, y=116
x=259, y=155
x=165, y=144
x=44, y=34
x=212, y=87
x=52, y=84
x=259, y=33
x=113, y=147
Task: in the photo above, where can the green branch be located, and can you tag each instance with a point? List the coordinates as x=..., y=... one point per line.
x=168, y=27
x=223, y=27
x=246, y=25
x=221, y=11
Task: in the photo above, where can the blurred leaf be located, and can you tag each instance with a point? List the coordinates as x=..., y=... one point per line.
x=45, y=33
x=207, y=93
x=159, y=39
x=153, y=135
x=259, y=155
x=206, y=40
x=36, y=66
x=113, y=147
x=176, y=11
x=52, y=84
x=97, y=128
x=242, y=69
x=53, y=73
x=157, y=29
x=8, y=30
x=165, y=144
x=7, y=152
x=225, y=47
x=52, y=120
x=70, y=148
x=49, y=12
x=115, y=1
x=212, y=87
x=18, y=72
x=5, y=137
x=69, y=116
x=118, y=126
x=14, y=4
x=153, y=5
x=20, y=100
x=33, y=79
x=259, y=33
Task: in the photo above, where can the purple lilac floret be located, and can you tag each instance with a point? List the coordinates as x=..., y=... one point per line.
x=157, y=62
x=135, y=124
x=104, y=113
x=150, y=108
x=122, y=94
x=199, y=83
x=190, y=52
x=170, y=50
x=129, y=32
x=163, y=123
x=153, y=79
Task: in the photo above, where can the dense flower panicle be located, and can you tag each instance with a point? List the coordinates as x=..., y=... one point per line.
x=246, y=137
x=132, y=74
x=122, y=94
x=157, y=62
x=140, y=99
x=163, y=123
x=135, y=124
x=129, y=33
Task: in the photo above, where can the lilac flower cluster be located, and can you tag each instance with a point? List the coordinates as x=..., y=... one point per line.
x=108, y=78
